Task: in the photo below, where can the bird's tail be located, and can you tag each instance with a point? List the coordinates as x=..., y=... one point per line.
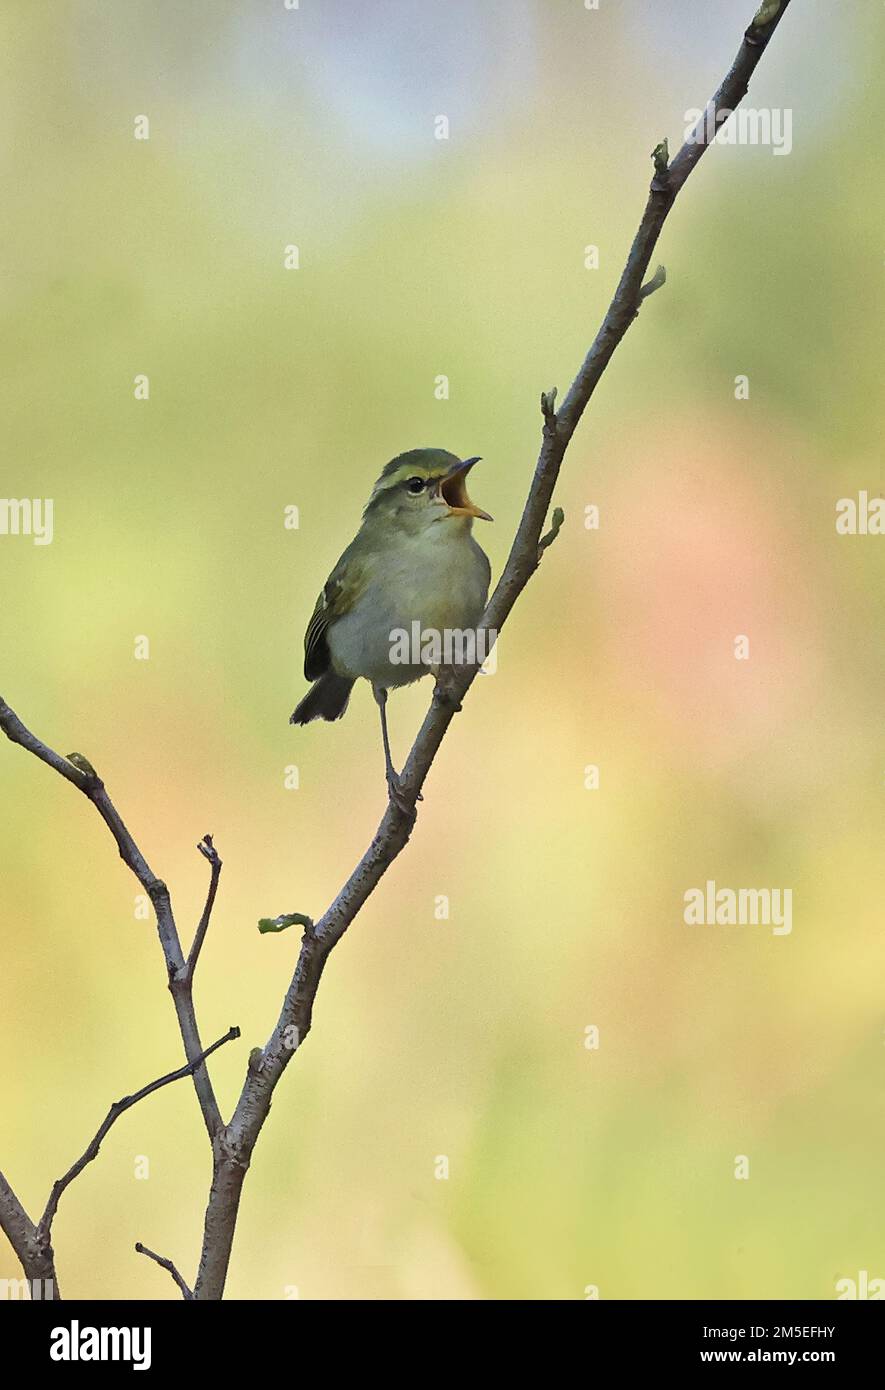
x=326, y=699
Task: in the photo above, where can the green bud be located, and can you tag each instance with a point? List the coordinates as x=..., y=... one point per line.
x=661, y=156
x=288, y=919
x=82, y=765
x=766, y=13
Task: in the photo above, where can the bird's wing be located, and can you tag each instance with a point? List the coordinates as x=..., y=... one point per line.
x=487, y=568
x=340, y=592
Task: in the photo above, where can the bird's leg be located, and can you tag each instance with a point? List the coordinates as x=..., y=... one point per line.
x=394, y=787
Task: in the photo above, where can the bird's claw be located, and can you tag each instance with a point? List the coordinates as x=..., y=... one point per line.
x=399, y=798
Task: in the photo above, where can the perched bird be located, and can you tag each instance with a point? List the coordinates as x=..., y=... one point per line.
x=413, y=560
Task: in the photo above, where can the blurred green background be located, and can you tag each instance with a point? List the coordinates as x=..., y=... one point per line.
x=270, y=388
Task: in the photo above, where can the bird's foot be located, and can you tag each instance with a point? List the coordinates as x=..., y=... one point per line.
x=398, y=796
x=443, y=690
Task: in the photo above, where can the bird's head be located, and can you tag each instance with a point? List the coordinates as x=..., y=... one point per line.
x=421, y=488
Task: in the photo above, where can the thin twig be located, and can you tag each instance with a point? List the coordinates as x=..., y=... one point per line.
x=76, y=769
x=118, y=1108
x=186, y=1293
x=208, y=851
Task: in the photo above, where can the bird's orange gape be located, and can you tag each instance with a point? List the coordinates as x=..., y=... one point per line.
x=453, y=491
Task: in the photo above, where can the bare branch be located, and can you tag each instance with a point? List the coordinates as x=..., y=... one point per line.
x=78, y=770
x=118, y=1108
x=17, y=1226
x=668, y=180
x=33, y=1243
x=36, y=1259
x=208, y=851
x=233, y=1144
x=166, y=1264
x=267, y=1065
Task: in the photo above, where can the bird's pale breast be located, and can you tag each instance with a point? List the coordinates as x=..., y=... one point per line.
x=439, y=581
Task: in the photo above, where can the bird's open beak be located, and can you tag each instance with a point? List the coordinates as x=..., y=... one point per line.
x=453, y=491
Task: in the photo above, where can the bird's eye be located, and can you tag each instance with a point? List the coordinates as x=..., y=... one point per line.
x=415, y=485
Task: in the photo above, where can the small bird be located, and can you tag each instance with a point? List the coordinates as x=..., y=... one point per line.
x=413, y=560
